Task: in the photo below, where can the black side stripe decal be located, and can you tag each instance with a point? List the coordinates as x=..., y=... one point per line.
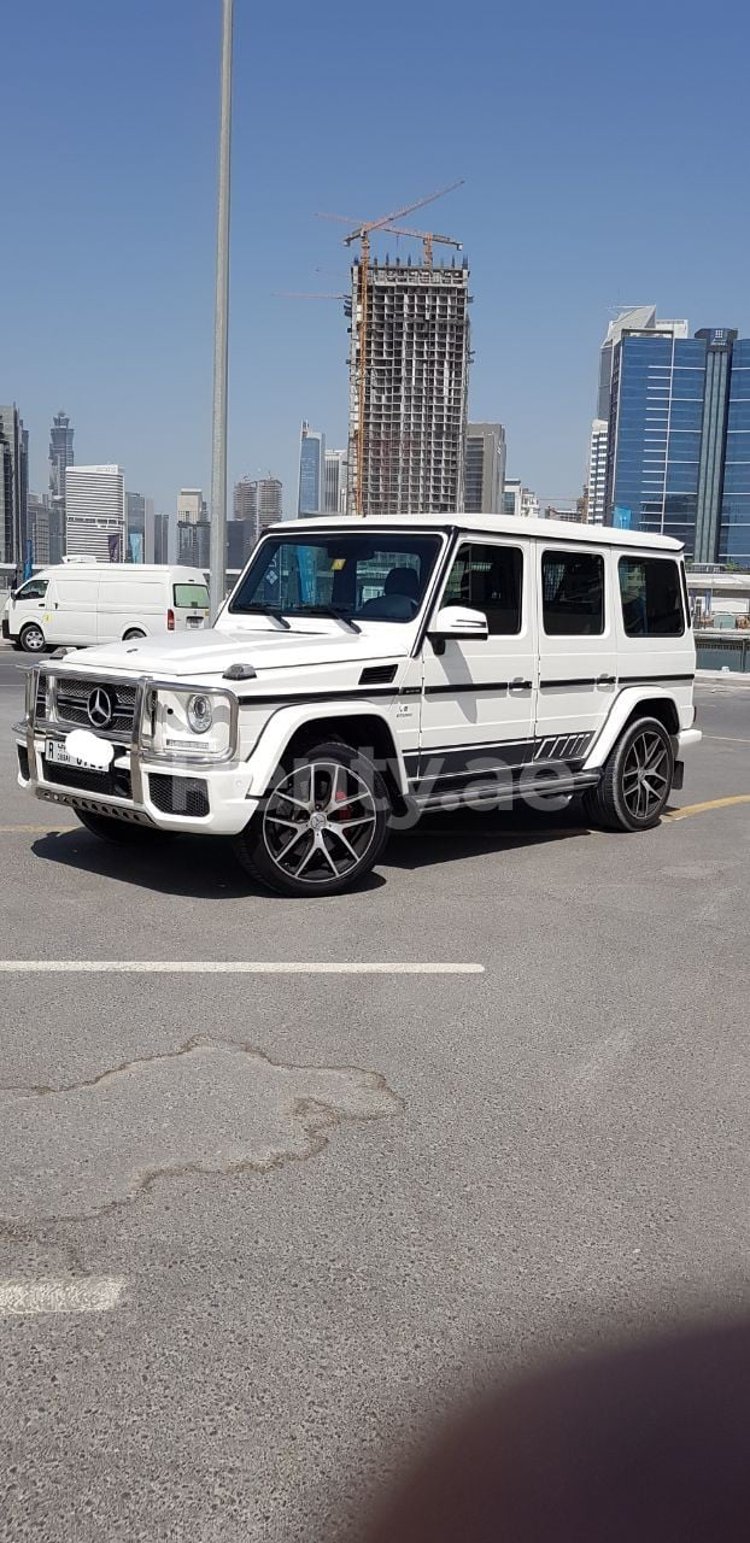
x=364, y=692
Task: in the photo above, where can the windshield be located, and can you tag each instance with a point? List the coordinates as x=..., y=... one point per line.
x=188, y=595
x=34, y=589
x=375, y=578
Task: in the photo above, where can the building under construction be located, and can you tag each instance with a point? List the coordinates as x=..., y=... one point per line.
x=408, y=374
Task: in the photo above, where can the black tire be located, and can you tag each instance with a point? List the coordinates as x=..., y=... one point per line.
x=331, y=778
x=636, y=780
x=121, y=832
x=31, y=639
x=135, y=632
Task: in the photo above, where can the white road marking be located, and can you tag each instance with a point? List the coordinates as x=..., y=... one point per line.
x=727, y=739
x=225, y=967
x=36, y=830
x=29, y=1298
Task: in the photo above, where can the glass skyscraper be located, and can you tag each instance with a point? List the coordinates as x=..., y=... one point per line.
x=678, y=458
x=312, y=456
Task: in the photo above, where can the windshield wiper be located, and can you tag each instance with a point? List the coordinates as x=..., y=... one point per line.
x=259, y=609
x=328, y=610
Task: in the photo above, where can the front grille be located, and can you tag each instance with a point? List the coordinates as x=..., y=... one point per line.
x=179, y=795
x=114, y=782
x=23, y=761
x=72, y=697
x=40, y=708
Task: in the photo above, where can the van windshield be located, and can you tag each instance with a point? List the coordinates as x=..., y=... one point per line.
x=373, y=577
x=34, y=589
x=187, y=596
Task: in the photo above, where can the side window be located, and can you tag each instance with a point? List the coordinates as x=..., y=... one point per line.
x=651, y=597
x=34, y=589
x=573, y=594
x=490, y=579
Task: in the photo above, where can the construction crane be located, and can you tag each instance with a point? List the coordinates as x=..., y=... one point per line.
x=361, y=233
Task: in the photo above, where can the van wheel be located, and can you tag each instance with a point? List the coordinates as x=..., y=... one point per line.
x=122, y=832
x=322, y=824
x=135, y=632
x=636, y=780
x=31, y=639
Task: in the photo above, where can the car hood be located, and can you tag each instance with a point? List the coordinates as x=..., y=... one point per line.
x=210, y=653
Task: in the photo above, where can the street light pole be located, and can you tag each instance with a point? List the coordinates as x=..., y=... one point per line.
x=221, y=319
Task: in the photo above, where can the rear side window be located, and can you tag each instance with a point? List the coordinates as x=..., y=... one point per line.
x=573, y=594
x=490, y=579
x=186, y=596
x=651, y=595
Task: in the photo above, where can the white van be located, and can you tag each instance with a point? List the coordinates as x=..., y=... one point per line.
x=85, y=603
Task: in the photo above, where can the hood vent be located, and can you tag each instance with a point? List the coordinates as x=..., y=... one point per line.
x=378, y=675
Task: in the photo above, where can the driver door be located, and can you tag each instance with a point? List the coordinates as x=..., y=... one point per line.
x=479, y=695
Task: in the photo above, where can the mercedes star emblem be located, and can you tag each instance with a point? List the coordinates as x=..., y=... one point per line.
x=99, y=708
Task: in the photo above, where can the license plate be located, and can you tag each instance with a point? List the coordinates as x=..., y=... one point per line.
x=57, y=752
x=195, y=621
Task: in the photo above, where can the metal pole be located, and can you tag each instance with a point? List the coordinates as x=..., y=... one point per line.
x=221, y=317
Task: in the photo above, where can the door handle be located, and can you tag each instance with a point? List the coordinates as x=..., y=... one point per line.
x=605, y=680
x=519, y=684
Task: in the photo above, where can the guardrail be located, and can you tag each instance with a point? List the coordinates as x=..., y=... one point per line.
x=722, y=650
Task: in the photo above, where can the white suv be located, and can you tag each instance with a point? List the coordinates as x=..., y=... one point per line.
x=363, y=670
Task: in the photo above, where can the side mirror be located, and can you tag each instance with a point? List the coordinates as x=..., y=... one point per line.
x=13, y=594
x=459, y=623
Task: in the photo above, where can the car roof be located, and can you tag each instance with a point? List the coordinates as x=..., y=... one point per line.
x=487, y=524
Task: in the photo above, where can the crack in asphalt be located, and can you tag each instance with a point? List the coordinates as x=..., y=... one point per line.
x=212, y=1107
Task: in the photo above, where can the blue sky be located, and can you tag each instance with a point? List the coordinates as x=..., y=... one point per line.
x=605, y=157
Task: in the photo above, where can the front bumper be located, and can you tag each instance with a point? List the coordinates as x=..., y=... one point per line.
x=167, y=793
x=686, y=739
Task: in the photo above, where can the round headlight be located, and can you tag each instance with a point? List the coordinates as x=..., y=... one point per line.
x=200, y=714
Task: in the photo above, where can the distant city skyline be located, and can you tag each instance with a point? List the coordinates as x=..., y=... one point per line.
x=118, y=331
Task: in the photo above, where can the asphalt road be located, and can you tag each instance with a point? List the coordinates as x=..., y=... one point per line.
x=257, y=1229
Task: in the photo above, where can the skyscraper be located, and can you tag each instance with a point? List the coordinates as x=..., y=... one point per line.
x=269, y=502
x=14, y=486
x=597, y=480
x=194, y=543
x=191, y=506
x=334, y=492
x=312, y=455
x=245, y=503
x=240, y=542
x=135, y=510
x=485, y=468
x=95, y=512
x=637, y=319
x=61, y=456
x=678, y=457
x=161, y=538
x=410, y=348
x=46, y=528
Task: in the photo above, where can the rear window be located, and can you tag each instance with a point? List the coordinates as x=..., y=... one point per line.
x=573, y=594
x=187, y=596
x=651, y=595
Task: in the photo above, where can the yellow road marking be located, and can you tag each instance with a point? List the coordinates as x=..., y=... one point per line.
x=711, y=803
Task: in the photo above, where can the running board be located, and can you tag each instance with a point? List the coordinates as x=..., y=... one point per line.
x=496, y=792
